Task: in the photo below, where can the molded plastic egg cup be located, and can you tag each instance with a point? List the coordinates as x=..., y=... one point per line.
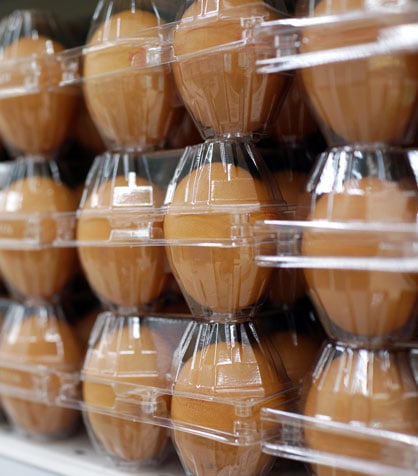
x=356, y=245
x=37, y=108
x=40, y=360
x=364, y=423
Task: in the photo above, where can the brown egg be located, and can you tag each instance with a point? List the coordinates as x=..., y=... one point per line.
x=222, y=89
x=215, y=374
x=363, y=100
x=224, y=279
x=48, y=342
x=52, y=266
x=36, y=123
x=298, y=352
x=127, y=361
x=125, y=275
x=130, y=104
x=366, y=389
x=366, y=303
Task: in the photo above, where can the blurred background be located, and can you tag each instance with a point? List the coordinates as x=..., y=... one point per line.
x=72, y=9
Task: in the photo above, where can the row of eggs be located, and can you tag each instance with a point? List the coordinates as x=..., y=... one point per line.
x=213, y=403
x=370, y=100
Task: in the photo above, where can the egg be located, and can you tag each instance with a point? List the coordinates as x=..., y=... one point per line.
x=226, y=278
x=298, y=351
x=131, y=103
x=36, y=273
x=221, y=86
x=34, y=342
x=125, y=275
x=363, y=100
x=362, y=303
x=365, y=389
x=220, y=376
x=127, y=363
x=36, y=122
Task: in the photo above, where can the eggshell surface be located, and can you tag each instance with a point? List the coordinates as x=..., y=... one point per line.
x=362, y=100
x=225, y=372
x=36, y=122
x=50, y=343
x=221, y=88
x=124, y=275
x=53, y=266
x=363, y=303
x=130, y=103
x=364, y=390
x=298, y=352
x=140, y=358
x=222, y=278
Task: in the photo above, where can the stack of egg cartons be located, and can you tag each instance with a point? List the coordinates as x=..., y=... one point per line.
x=129, y=91
x=358, y=63
x=226, y=368
x=206, y=377
x=38, y=104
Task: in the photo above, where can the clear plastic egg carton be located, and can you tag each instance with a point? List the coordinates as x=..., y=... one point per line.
x=40, y=361
x=340, y=51
x=50, y=66
x=203, y=383
x=32, y=229
x=175, y=352
x=142, y=42
x=25, y=71
x=25, y=371
x=356, y=414
x=146, y=378
x=373, y=246
x=385, y=27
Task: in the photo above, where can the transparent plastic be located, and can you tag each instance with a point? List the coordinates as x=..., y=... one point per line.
x=357, y=61
x=40, y=359
x=37, y=109
x=226, y=373
x=218, y=191
x=127, y=80
x=358, y=415
x=357, y=245
x=35, y=206
x=126, y=386
x=215, y=68
x=120, y=228
x=143, y=376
